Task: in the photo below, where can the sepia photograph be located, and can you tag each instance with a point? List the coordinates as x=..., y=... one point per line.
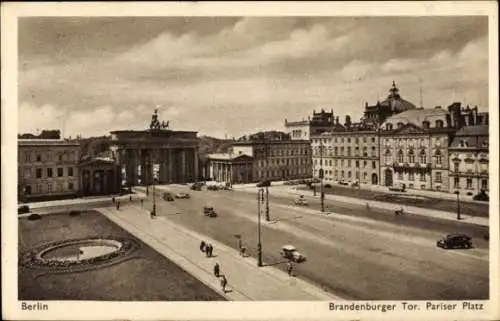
x=337, y=160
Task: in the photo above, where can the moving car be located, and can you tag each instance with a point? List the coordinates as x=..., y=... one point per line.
x=212, y=188
x=182, y=195
x=290, y=252
x=196, y=186
x=167, y=196
x=209, y=211
x=453, y=241
x=301, y=201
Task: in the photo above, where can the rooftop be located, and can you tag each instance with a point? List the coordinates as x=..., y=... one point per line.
x=476, y=130
x=47, y=142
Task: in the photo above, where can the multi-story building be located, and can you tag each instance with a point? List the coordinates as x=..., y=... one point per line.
x=347, y=155
x=414, y=149
x=231, y=168
x=47, y=168
x=350, y=151
x=468, y=160
x=277, y=159
x=304, y=129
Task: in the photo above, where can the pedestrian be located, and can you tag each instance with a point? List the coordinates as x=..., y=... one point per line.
x=113, y=199
x=130, y=198
x=289, y=268
x=223, y=283
x=151, y=214
x=240, y=245
x=202, y=246
x=118, y=205
x=243, y=251
x=216, y=269
x=210, y=250
x=142, y=203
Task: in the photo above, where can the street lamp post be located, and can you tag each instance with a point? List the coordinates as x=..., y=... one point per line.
x=268, y=217
x=260, y=198
x=321, y=175
x=458, y=204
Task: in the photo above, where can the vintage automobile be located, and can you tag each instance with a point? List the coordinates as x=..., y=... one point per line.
x=290, y=252
x=301, y=201
x=196, y=186
x=453, y=241
x=212, y=188
x=167, y=196
x=182, y=195
x=209, y=211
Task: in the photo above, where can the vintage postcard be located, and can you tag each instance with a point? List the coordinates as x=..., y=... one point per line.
x=246, y=160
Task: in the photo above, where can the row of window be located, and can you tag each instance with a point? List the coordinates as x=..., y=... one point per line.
x=49, y=172
x=425, y=124
x=464, y=143
x=413, y=142
x=422, y=177
x=49, y=188
x=470, y=167
x=335, y=162
x=468, y=183
x=283, y=161
x=355, y=140
x=281, y=173
x=341, y=175
x=49, y=156
x=321, y=150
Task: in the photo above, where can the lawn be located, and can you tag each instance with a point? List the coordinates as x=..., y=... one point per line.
x=144, y=276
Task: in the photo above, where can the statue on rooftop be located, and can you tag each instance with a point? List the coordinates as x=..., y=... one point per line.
x=155, y=122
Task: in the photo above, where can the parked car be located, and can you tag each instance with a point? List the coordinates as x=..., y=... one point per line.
x=196, y=186
x=343, y=183
x=182, y=195
x=167, y=196
x=209, y=211
x=212, y=188
x=453, y=241
x=23, y=209
x=301, y=201
x=264, y=184
x=290, y=252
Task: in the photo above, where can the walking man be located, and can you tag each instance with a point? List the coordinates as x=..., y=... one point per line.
x=130, y=198
x=113, y=199
x=289, y=267
x=223, y=283
x=142, y=203
x=117, y=205
x=202, y=246
x=216, y=269
x=207, y=250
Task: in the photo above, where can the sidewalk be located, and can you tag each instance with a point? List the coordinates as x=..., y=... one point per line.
x=246, y=281
x=467, y=218
x=75, y=201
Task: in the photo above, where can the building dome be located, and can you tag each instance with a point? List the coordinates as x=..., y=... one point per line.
x=395, y=102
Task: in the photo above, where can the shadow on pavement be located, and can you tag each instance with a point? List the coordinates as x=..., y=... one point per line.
x=275, y=263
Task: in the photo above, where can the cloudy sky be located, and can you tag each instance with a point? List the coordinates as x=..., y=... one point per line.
x=230, y=76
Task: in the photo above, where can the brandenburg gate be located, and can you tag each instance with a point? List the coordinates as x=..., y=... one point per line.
x=173, y=153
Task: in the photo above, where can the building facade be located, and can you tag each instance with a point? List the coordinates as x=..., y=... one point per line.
x=47, y=168
x=304, y=129
x=277, y=159
x=468, y=163
x=231, y=168
x=347, y=155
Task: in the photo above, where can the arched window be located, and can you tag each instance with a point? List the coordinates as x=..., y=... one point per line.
x=439, y=123
x=400, y=156
x=388, y=127
x=411, y=156
x=400, y=125
x=425, y=124
x=439, y=157
x=423, y=157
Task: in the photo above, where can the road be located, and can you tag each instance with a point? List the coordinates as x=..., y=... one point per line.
x=355, y=253
x=423, y=201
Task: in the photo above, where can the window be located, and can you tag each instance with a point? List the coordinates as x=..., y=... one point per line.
x=411, y=176
x=342, y=151
x=342, y=174
x=423, y=157
x=373, y=139
x=469, y=183
x=484, y=184
x=336, y=162
x=374, y=164
x=49, y=188
x=39, y=189
x=38, y=173
x=400, y=125
x=357, y=175
x=60, y=157
x=411, y=156
x=364, y=139
x=348, y=163
x=400, y=156
x=38, y=157
x=388, y=127
x=336, y=173
x=425, y=124
x=456, y=166
x=349, y=151
x=357, y=164
x=49, y=172
x=342, y=163
x=70, y=171
x=27, y=157
x=365, y=164
x=439, y=123
x=439, y=179
x=349, y=174
x=422, y=177
x=400, y=176
x=59, y=172
x=336, y=151
x=348, y=139
x=439, y=158
x=456, y=182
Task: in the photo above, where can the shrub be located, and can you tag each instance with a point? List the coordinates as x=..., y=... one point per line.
x=482, y=196
x=23, y=209
x=34, y=217
x=74, y=213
